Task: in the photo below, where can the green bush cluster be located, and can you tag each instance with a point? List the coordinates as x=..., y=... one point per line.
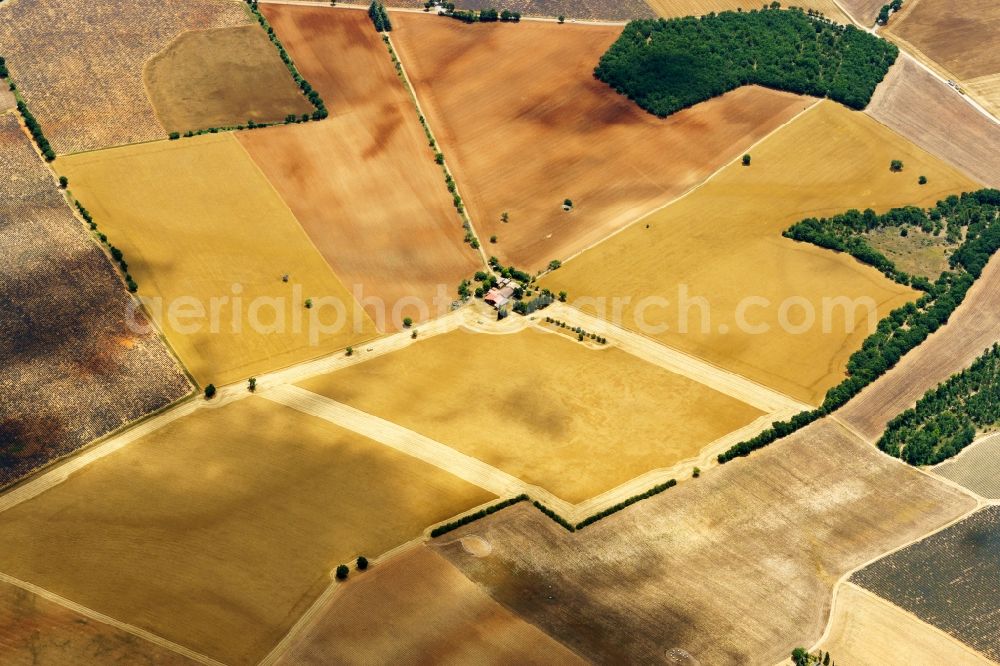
x=883, y=14
x=379, y=16
x=655, y=490
x=482, y=16
x=116, y=254
x=472, y=517
x=668, y=65
x=947, y=418
x=978, y=214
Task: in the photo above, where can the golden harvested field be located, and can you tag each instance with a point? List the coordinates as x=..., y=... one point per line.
x=545, y=409
x=977, y=468
x=722, y=243
x=955, y=35
x=736, y=567
x=220, y=78
x=72, y=366
x=426, y=610
x=674, y=8
x=973, y=328
x=869, y=630
x=79, y=66
x=198, y=221
x=539, y=128
x=864, y=11
x=919, y=106
x=39, y=631
x=219, y=530
x=363, y=183
x=987, y=90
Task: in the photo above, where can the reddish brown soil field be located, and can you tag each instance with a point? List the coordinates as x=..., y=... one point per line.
x=363, y=183
x=973, y=327
x=736, y=567
x=425, y=608
x=525, y=125
x=924, y=110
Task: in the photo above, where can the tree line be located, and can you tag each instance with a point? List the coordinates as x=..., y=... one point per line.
x=379, y=16
x=490, y=15
x=978, y=213
x=666, y=65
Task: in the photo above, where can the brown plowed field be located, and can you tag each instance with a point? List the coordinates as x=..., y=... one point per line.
x=524, y=125
x=79, y=65
x=37, y=631
x=973, y=327
x=674, y=8
x=217, y=531
x=221, y=78
x=72, y=369
x=363, y=183
x=426, y=611
x=923, y=109
x=736, y=567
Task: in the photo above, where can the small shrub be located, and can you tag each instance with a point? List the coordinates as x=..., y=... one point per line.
x=696, y=472
x=210, y=391
x=493, y=239
x=746, y=160
x=252, y=384
x=362, y=563
x=174, y=136
x=309, y=303
x=562, y=19
x=554, y=264
x=407, y=322
x=567, y=203
x=563, y=296
x=413, y=336
x=342, y=572
x=63, y=182
x=896, y=166
x=922, y=180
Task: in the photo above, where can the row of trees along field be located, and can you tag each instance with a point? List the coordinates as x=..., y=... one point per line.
x=948, y=417
x=975, y=213
x=668, y=65
x=379, y=16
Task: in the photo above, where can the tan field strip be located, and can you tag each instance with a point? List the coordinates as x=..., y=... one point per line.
x=977, y=467
x=973, y=328
x=870, y=630
x=675, y=8
x=363, y=182
x=570, y=419
x=540, y=129
x=426, y=610
x=199, y=224
x=218, y=531
x=711, y=275
x=863, y=12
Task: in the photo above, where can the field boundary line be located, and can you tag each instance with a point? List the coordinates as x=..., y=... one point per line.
x=104, y=619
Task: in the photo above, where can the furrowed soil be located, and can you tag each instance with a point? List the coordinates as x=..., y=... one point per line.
x=736, y=567
x=76, y=359
x=217, y=531
x=427, y=610
x=208, y=241
x=220, y=78
x=545, y=409
x=675, y=8
x=869, y=630
x=973, y=328
x=363, y=183
x=712, y=276
x=79, y=66
x=524, y=125
x=914, y=103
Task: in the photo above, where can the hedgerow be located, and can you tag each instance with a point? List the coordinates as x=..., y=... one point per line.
x=554, y=516
x=655, y=490
x=117, y=255
x=668, y=65
x=472, y=517
x=36, y=132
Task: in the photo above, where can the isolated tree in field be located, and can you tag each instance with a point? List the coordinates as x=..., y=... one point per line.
x=349, y=351
x=746, y=160
x=896, y=166
x=342, y=572
x=493, y=239
x=63, y=182
x=407, y=322
x=922, y=180
x=696, y=472
x=554, y=264
x=413, y=335
x=567, y=203
x=562, y=19
x=362, y=563
x=309, y=303
x=210, y=391
x=563, y=296
x=252, y=384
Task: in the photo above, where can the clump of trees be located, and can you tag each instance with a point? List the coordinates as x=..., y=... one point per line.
x=977, y=213
x=883, y=14
x=802, y=657
x=948, y=417
x=489, y=15
x=668, y=65
x=379, y=16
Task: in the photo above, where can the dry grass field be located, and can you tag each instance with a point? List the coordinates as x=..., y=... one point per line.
x=973, y=327
x=986, y=89
x=545, y=409
x=674, y=8
x=977, y=468
x=71, y=367
x=79, y=66
x=363, y=183
x=948, y=580
x=917, y=253
x=919, y=106
x=219, y=530
x=540, y=128
x=869, y=630
x=736, y=567
x=723, y=243
x=194, y=218
x=38, y=631
x=220, y=78
x=426, y=611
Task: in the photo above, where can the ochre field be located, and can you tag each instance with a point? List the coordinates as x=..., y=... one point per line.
x=675, y=8
x=363, y=183
x=425, y=607
x=198, y=221
x=722, y=243
x=987, y=90
x=244, y=509
x=736, y=567
x=863, y=11
x=543, y=408
x=525, y=125
x=220, y=78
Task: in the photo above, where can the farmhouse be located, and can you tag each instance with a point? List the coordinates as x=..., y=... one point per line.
x=499, y=296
